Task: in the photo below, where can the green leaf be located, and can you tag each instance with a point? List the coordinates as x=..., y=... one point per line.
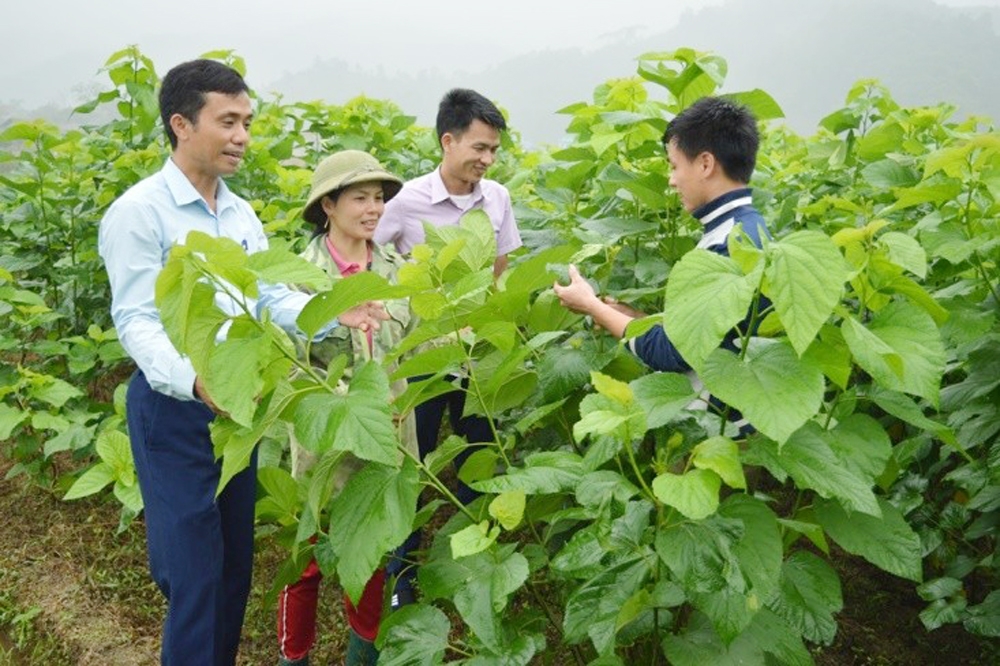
x=10, y=418
x=279, y=266
x=508, y=509
x=707, y=296
x=343, y=295
x=773, y=389
x=759, y=551
x=662, y=396
x=487, y=584
x=810, y=597
x=281, y=494
x=912, y=335
x=543, y=473
x=701, y=554
x=887, y=542
x=234, y=377
x=415, y=635
x=54, y=391
x=984, y=619
x=562, y=370
x=695, y=493
x=722, y=456
x=92, y=481
x=862, y=444
x=906, y=252
x=371, y=516
x=473, y=539
x=903, y=407
x=359, y=422
x=805, y=277
x=114, y=449
x=810, y=459
x=593, y=608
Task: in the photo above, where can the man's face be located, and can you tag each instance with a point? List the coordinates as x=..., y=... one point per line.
x=215, y=142
x=687, y=177
x=467, y=155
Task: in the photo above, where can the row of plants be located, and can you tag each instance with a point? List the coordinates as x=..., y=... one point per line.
x=615, y=524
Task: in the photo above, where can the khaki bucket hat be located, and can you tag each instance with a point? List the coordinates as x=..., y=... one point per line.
x=343, y=168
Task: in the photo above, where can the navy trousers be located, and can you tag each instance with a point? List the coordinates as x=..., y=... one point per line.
x=200, y=547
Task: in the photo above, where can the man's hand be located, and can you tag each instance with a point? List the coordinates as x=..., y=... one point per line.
x=623, y=308
x=578, y=295
x=607, y=313
x=201, y=393
x=367, y=316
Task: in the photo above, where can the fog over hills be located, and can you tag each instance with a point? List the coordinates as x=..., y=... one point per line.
x=805, y=53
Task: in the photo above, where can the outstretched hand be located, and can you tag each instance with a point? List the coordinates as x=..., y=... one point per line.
x=367, y=316
x=578, y=295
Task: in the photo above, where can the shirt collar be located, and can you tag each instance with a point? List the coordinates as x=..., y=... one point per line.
x=345, y=267
x=440, y=193
x=184, y=192
x=715, y=209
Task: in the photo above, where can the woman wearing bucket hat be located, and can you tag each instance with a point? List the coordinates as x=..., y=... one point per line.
x=348, y=195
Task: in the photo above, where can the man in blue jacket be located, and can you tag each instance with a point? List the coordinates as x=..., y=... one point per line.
x=712, y=150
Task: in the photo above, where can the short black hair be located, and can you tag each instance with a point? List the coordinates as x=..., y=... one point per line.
x=460, y=106
x=184, y=87
x=721, y=127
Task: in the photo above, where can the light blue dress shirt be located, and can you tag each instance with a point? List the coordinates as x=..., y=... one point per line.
x=134, y=240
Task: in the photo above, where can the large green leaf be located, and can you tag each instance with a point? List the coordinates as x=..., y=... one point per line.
x=371, y=516
x=488, y=584
x=809, y=458
x=593, y=608
x=359, y=422
x=862, y=444
x=695, y=493
x=561, y=371
x=759, y=550
x=707, y=296
x=662, y=395
x=92, y=481
x=722, y=456
x=810, y=597
x=10, y=418
x=887, y=542
x=542, y=473
x=699, y=644
x=984, y=618
x=773, y=389
x=415, y=635
x=325, y=306
x=234, y=376
x=911, y=333
x=279, y=266
x=700, y=554
x=805, y=276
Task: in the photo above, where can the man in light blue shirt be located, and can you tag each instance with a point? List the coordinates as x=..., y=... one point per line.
x=200, y=547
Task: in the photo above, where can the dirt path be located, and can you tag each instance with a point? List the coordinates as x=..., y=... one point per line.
x=51, y=556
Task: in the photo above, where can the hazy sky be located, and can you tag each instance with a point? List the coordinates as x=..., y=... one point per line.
x=48, y=47
x=69, y=39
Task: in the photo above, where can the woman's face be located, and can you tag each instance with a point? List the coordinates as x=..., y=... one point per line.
x=356, y=212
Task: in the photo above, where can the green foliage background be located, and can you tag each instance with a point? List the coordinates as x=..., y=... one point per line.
x=615, y=524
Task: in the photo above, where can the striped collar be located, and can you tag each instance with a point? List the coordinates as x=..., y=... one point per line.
x=719, y=206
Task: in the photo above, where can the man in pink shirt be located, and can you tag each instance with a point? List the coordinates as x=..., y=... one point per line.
x=468, y=129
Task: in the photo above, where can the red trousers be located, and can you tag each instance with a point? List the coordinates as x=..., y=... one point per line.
x=297, y=612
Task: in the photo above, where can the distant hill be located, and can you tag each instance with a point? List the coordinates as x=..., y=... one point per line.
x=806, y=53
